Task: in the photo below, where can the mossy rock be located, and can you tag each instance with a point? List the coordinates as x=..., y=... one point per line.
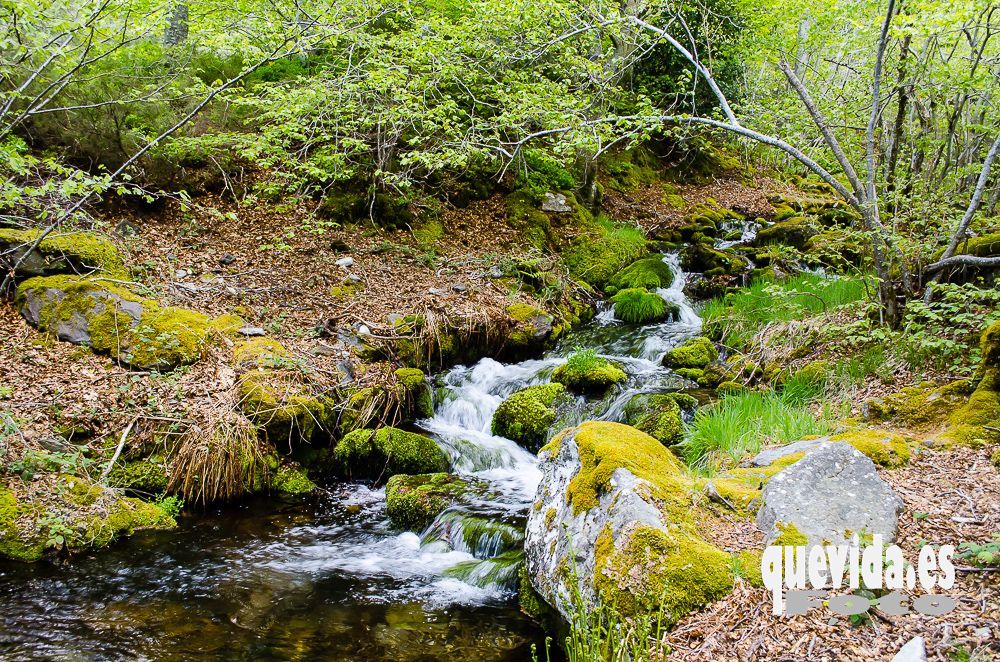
x=695, y=353
x=595, y=258
x=639, y=306
x=630, y=169
x=524, y=216
x=415, y=391
x=110, y=319
x=91, y=517
x=380, y=454
x=814, y=372
x=528, y=415
x=921, y=407
x=60, y=253
x=975, y=423
x=658, y=415
x=795, y=231
x=838, y=248
x=648, y=273
x=276, y=392
x=531, y=328
x=587, y=373
x=291, y=480
x=148, y=476
x=413, y=502
x=885, y=449
x=987, y=245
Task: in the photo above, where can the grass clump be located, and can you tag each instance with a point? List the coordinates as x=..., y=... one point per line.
x=744, y=422
x=738, y=316
x=638, y=306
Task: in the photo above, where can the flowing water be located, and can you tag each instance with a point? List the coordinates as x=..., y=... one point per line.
x=330, y=579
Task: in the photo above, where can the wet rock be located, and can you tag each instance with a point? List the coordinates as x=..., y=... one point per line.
x=829, y=496
x=694, y=354
x=586, y=373
x=528, y=415
x=555, y=202
x=379, y=454
x=615, y=506
x=658, y=415
x=412, y=502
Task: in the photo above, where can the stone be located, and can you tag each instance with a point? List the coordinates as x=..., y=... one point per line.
x=339, y=246
x=437, y=292
x=459, y=287
x=181, y=274
x=555, y=202
x=769, y=456
x=345, y=262
x=227, y=259
x=252, y=331
x=353, y=278
x=127, y=229
x=829, y=496
x=912, y=651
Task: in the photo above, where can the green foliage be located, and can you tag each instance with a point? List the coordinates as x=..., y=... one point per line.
x=638, y=306
x=32, y=463
x=984, y=555
x=543, y=173
x=586, y=372
x=739, y=316
x=742, y=423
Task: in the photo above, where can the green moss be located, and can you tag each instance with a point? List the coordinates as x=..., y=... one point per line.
x=291, y=480
x=648, y=273
x=694, y=374
x=81, y=250
x=630, y=169
x=281, y=403
x=695, y=353
x=147, y=475
x=598, y=256
x=14, y=545
x=790, y=536
x=883, y=448
x=531, y=603
x=746, y=565
x=126, y=516
x=987, y=245
x=429, y=231
x=814, y=372
x=638, y=306
x=605, y=447
x=653, y=569
x=416, y=393
x=975, y=423
x=995, y=458
x=525, y=216
x=728, y=387
x=379, y=454
x=413, y=502
x=585, y=372
x=531, y=326
x=135, y=330
x=259, y=351
x=793, y=231
x=659, y=416
x=527, y=415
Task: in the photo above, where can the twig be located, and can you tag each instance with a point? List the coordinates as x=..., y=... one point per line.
x=118, y=451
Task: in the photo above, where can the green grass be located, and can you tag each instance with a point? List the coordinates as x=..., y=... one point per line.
x=738, y=316
x=742, y=423
x=637, y=306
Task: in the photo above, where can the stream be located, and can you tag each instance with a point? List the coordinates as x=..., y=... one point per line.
x=330, y=579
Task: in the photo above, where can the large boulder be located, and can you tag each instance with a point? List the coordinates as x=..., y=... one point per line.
x=110, y=319
x=613, y=524
x=379, y=454
x=828, y=497
x=59, y=253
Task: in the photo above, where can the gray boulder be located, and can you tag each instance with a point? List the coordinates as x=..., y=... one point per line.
x=555, y=202
x=830, y=495
x=769, y=456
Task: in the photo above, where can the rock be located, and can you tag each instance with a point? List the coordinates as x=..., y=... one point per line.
x=827, y=497
x=528, y=415
x=555, y=202
x=694, y=354
x=613, y=523
x=769, y=456
x=227, y=259
x=345, y=262
x=658, y=415
x=412, y=502
x=352, y=278
x=415, y=397
x=113, y=320
x=586, y=373
x=339, y=246
x=379, y=454
x=126, y=228
x=912, y=651
x=68, y=253
x=252, y=331
x=437, y=292
x=181, y=274
x=532, y=327
x=459, y=287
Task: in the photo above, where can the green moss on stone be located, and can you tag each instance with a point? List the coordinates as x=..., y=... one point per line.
x=148, y=475
x=527, y=415
x=412, y=502
x=695, y=353
x=648, y=273
x=790, y=536
x=658, y=415
x=82, y=250
x=291, y=480
x=379, y=454
x=585, y=372
x=416, y=393
x=883, y=448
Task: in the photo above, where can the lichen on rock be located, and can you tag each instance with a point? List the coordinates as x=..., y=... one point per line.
x=60, y=253
x=658, y=415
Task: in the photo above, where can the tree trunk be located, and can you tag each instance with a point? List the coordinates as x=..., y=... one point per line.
x=177, y=29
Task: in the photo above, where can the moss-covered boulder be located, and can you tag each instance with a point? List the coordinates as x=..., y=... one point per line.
x=977, y=422
x=531, y=328
x=412, y=502
x=638, y=306
x=379, y=454
x=110, y=319
x=648, y=273
x=596, y=257
x=658, y=415
x=922, y=407
x=58, y=513
x=587, y=373
x=291, y=479
x=277, y=393
x=704, y=258
x=415, y=392
x=59, y=253
x=885, y=449
x=693, y=354
x=528, y=415
x=615, y=523
x=987, y=245
x=148, y=476
x=794, y=231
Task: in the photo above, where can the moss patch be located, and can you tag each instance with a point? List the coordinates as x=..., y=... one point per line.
x=884, y=449
x=415, y=392
x=694, y=354
x=648, y=273
x=291, y=480
x=148, y=475
x=658, y=415
x=585, y=372
x=527, y=415
x=71, y=252
x=412, y=502
x=379, y=454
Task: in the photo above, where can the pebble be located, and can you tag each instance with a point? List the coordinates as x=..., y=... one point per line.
x=227, y=259
x=345, y=262
x=353, y=278
x=181, y=274
x=252, y=331
x=459, y=287
x=436, y=291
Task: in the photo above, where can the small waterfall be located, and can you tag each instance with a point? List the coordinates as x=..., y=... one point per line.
x=748, y=232
x=675, y=293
